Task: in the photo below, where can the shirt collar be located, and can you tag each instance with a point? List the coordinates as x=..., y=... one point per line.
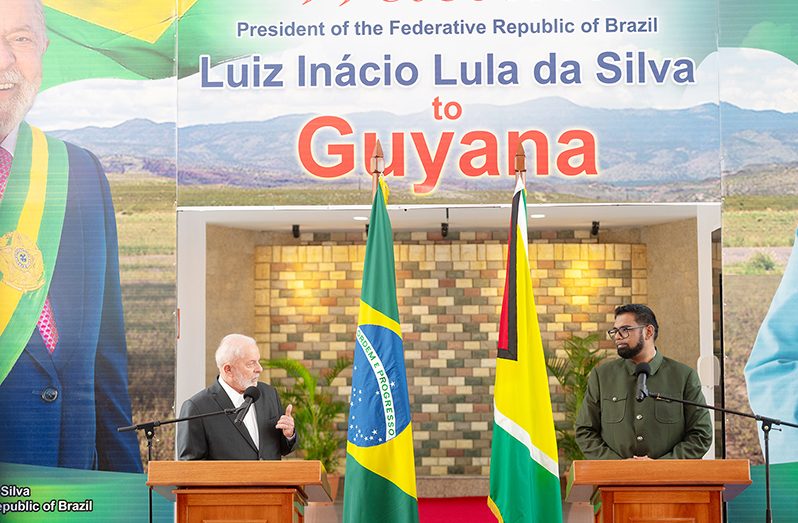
x=9, y=143
x=235, y=397
x=655, y=363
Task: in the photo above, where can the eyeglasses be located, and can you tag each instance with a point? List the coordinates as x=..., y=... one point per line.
x=623, y=331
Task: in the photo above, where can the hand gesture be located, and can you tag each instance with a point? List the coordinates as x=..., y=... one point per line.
x=286, y=422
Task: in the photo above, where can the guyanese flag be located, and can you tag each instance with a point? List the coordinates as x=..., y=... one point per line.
x=145, y=39
x=524, y=475
x=380, y=470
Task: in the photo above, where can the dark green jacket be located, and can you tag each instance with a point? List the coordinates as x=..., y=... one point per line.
x=611, y=424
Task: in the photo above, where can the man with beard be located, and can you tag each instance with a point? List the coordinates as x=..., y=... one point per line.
x=63, y=361
x=265, y=433
x=612, y=425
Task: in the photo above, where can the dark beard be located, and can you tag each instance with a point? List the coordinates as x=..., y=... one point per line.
x=631, y=352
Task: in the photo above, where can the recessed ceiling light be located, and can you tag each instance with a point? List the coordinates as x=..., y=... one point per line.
x=537, y=216
x=360, y=218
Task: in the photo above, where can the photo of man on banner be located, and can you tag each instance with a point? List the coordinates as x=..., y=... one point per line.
x=63, y=354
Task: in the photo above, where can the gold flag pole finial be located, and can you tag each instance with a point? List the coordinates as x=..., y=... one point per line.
x=377, y=167
x=520, y=163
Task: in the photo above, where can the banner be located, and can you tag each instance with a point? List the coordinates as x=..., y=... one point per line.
x=603, y=99
x=205, y=104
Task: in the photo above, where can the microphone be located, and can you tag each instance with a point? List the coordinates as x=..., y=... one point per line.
x=251, y=395
x=642, y=371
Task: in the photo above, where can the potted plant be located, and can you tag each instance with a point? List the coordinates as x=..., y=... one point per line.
x=315, y=410
x=582, y=356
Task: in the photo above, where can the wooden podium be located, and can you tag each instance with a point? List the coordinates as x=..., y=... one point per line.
x=252, y=491
x=673, y=491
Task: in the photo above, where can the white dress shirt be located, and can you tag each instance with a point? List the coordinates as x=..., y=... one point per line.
x=9, y=143
x=250, y=420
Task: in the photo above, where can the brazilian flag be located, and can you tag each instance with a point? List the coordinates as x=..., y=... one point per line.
x=146, y=39
x=380, y=471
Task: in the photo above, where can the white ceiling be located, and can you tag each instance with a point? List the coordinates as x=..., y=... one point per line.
x=320, y=218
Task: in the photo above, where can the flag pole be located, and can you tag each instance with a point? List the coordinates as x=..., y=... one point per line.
x=377, y=167
x=520, y=163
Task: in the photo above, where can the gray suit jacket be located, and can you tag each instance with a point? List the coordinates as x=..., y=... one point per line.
x=218, y=438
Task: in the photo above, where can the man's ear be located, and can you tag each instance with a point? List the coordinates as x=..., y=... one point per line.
x=649, y=331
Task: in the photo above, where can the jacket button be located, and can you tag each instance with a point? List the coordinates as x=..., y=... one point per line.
x=50, y=394
x=640, y=438
x=614, y=398
x=639, y=416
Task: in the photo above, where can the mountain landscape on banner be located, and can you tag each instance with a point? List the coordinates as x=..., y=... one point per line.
x=666, y=155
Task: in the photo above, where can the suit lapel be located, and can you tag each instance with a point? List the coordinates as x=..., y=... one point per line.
x=36, y=349
x=264, y=413
x=76, y=292
x=223, y=400
x=72, y=314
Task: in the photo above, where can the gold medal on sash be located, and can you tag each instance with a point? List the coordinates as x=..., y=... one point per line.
x=21, y=265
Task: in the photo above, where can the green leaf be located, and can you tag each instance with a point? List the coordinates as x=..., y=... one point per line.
x=316, y=407
x=571, y=372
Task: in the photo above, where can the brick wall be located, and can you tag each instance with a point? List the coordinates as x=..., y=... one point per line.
x=449, y=290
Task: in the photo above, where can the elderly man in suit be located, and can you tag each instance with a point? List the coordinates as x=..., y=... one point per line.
x=63, y=357
x=266, y=432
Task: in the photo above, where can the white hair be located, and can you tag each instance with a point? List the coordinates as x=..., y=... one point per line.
x=39, y=23
x=39, y=8
x=232, y=348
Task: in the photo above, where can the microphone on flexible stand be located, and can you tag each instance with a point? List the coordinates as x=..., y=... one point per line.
x=251, y=395
x=642, y=371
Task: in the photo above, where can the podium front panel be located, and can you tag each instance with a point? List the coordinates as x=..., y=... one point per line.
x=660, y=505
x=239, y=505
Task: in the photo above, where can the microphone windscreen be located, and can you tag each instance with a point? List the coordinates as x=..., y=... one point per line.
x=642, y=368
x=252, y=392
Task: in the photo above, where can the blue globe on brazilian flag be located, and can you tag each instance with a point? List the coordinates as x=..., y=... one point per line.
x=379, y=409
